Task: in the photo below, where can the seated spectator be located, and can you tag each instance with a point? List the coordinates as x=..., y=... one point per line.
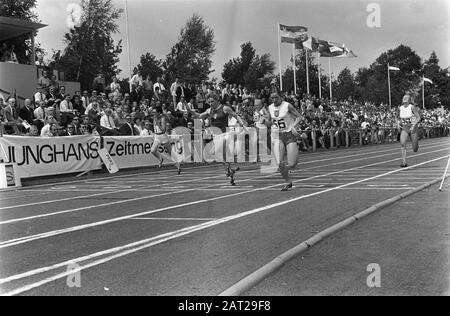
x=183, y=106
x=76, y=125
x=85, y=99
x=49, y=129
x=32, y=131
x=184, y=120
x=107, y=123
x=138, y=125
x=66, y=110
x=70, y=130
x=40, y=95
x=147, y=130
x=127, y=129
x=26, y=113
x=78, y=104
x=11, y=117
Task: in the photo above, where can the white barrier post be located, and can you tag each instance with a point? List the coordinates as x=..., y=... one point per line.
x=9, y=178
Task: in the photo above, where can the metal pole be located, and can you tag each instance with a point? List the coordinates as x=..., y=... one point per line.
x=329, y=71
x=294, y=68
x=128, y=42
x=279, y=56
x=423, y=92
x=307, y=71
x=389, y=86
x=320, y=83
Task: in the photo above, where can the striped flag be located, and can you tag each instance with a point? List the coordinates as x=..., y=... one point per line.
x=393, y=68
x=427, y=80
x=293, y=34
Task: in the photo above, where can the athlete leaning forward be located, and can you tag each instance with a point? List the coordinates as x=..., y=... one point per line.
x=409, y=125
x=163, y=139
x=283, y=119
x=218, y=116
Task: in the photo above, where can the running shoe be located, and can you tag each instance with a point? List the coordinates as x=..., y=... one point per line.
x=287, y=187
x=403, y=165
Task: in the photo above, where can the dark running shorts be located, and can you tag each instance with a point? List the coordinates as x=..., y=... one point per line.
x=287, y=138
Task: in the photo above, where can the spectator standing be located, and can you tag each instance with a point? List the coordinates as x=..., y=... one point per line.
x=137, y=80
x=99, y=83
x=148, y=88
x=44, y=82
x=158, y=84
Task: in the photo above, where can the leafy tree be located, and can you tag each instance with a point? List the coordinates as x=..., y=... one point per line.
x=437, y=93
x=252, y=70
x=21, y=10
x=190, y=58
x=259, y=72
x=372, y=81
x=235, y=69
x=149, y=65
x=288, y=76
x=345, y=85
x=90, y=48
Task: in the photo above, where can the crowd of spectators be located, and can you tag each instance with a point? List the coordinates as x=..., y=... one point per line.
x=106, y=110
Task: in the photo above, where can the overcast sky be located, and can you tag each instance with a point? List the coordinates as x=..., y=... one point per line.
x=154, y=26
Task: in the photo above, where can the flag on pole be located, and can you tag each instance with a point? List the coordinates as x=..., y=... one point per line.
x=292, y=34
x=393, y=68
x=427, y=80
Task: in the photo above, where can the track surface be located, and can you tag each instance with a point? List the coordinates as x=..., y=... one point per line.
x=159, y=233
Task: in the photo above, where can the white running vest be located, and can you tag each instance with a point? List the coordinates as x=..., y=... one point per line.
x=406, y=112
x=282, y=119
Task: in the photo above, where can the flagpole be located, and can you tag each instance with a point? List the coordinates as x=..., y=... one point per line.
x=389, y=86
x=128, y=42
x=295, y=69
x=423, y=92
x=320, y=84
x=329, y=71
x=279, y=56
x=307, y=72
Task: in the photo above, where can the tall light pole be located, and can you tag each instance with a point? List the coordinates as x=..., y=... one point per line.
x=128, y=42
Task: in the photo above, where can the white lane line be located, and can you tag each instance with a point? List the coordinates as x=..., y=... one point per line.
x=21, y=240
x=175, y=218
x=146, y=243
x=184, y=181
x=191, y=189
x=137, y=189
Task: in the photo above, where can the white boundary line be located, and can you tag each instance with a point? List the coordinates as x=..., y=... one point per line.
x=21, y=240
x=254, y=278
x=176, y=182
x=168, y=236
x=192, y=189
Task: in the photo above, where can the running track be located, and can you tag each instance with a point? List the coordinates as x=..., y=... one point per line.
x=159, y=233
